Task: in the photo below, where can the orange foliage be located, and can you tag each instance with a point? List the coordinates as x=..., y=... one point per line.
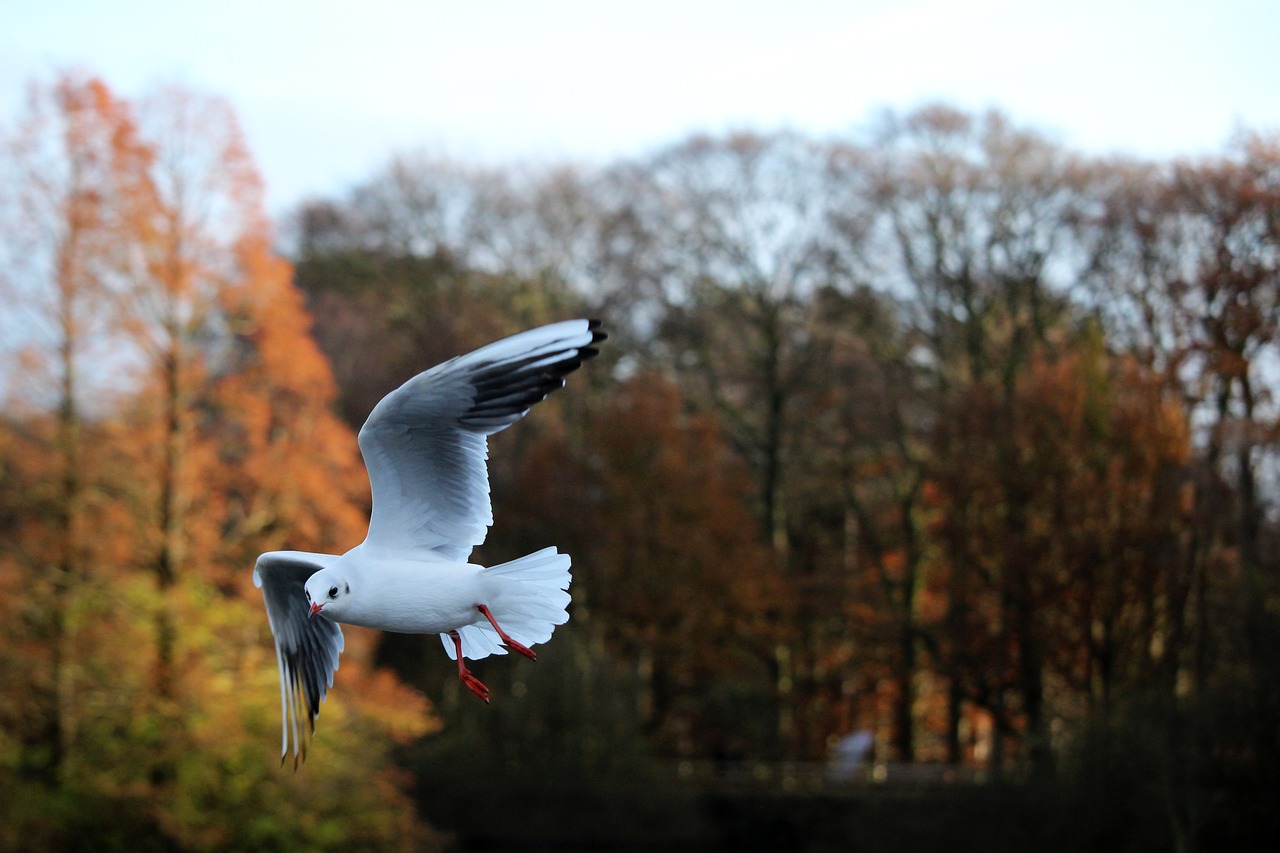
x=1056, y=532
x=667, y=565
x=222, y=445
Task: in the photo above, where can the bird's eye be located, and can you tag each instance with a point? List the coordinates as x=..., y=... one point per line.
x=333, y=592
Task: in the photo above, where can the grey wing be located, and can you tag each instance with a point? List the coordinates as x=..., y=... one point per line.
x=425, y=444
x=307, y=648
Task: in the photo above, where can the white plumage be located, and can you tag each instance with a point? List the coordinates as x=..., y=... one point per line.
x=425, y=447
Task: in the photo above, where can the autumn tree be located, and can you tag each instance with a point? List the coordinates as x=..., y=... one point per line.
x=979, y=215
x=1103, y=454
x=668, y=581
x=724, y=242
x=1200, y=236
x=207, y=438
x=78, y=172
x=1180, y=256
x=865, y=482
x=1232, y=287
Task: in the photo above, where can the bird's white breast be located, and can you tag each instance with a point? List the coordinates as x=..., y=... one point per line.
x=427, y=596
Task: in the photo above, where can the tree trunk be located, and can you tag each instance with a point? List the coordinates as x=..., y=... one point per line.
x=904, y=718
x=168, y=563
x=955, y=699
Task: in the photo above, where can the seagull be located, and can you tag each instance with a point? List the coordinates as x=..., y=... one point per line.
x=425, y=446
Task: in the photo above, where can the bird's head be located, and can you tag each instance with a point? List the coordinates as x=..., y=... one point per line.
x=327, y=593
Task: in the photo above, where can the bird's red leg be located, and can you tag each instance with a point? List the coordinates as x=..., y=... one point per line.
x=507, y=641
x=473, y=683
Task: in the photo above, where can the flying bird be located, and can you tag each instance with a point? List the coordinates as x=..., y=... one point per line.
x=425, y=446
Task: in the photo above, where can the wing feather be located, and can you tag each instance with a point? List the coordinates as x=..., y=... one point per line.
x=425, y=444
x=307, y=649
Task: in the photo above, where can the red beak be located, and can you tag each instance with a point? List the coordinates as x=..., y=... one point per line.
x=315, y=608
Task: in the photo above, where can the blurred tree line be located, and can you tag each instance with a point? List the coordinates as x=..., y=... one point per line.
x=947, y=432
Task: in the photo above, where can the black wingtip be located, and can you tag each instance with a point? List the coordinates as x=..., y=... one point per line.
x=593, y=326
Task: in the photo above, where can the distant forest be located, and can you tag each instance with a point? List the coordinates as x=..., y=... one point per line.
x=944, y=432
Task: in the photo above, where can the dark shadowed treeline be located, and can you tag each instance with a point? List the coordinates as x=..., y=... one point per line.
x=949, y=433
x=946, y=432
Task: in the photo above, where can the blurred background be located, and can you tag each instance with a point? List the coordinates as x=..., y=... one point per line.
x=924, y=495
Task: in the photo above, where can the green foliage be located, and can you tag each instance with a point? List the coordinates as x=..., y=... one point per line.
x=223, y=786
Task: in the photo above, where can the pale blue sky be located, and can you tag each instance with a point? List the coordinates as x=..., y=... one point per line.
x=328, y=90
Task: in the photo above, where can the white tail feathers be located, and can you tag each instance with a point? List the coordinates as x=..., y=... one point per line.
x=527, y=597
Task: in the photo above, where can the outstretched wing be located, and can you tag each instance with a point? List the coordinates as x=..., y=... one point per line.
x=306, y=648
x=425, y=444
